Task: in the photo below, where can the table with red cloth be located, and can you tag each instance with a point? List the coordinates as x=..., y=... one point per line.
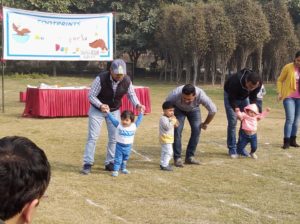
x=72, y=102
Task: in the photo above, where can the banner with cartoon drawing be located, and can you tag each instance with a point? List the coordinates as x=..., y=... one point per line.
x=31, y=35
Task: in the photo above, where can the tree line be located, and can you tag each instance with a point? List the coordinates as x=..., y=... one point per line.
x=196, y=41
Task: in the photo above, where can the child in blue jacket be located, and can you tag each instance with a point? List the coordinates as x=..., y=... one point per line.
x=124, y=136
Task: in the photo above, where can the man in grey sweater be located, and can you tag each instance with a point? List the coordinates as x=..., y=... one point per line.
x=186, y=100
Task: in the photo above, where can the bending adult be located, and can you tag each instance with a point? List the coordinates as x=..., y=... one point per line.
x=239, y=89
x=288, y=91
x=24, y=178
x=107, y=91
x=186, y=100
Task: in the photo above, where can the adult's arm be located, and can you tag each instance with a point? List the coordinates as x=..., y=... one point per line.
x=210, y=106
x=94, y=92
x=208, y=119
x=253, y=94
x=280, y=80
x=133, y=98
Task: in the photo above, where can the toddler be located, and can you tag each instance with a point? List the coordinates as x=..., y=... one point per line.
x=124, y=137
x=248, y=129
x=166, y=135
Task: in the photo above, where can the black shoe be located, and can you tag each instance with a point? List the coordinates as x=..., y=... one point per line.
x=286, y=143
x=86, y=169
x=178, y=162
x=191, y=160
x=293, y=142
x=166, y=168
x=109, y=167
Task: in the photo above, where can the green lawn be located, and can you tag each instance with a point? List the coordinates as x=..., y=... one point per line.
x=221, y=190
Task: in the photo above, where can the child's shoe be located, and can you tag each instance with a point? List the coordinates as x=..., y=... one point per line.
x=253, y=155
x=115, y=173
x=125, y=171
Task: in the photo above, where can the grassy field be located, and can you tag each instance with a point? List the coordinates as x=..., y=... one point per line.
x=221, y=190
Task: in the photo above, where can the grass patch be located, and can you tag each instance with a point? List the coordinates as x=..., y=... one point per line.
x=219, y=191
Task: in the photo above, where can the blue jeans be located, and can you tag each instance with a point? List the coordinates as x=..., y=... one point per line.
x=194, y=119
x=96, y=118
x=231, y=122
x=244, y=139
x=292, y=115
x=121, y=156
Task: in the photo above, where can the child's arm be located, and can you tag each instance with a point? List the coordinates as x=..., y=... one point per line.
x=114, y=121
x=165, y=123
x=174, y=121
x=239, y=114
x=264, y=113
x=139, y=119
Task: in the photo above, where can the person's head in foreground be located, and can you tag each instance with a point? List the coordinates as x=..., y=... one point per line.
x=168, y=109
x=24, y=178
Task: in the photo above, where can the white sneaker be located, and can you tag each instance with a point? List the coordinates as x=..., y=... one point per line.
x=234, y=156
x=115, y=173
x=253, y=156
x=125, y=171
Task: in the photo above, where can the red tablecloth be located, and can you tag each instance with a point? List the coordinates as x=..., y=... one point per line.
x=71, y=102
x=22, y=97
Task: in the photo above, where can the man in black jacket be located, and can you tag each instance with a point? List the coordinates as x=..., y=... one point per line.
x=106, y=92
x=239, y=89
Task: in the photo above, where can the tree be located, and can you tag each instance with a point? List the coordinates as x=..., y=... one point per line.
x=170, y=29
x=221, y=40
x=283, y=40
x=251, y=28
x=195, y=37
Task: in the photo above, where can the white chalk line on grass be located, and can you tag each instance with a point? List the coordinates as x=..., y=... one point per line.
x=216, y=162
x=89, y=201
x=145, y=157
x=273, y=178
x=289, y=155
x=251, y=211
x=92, y=203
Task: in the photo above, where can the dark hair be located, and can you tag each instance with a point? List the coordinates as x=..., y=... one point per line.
x=189, y=89
x=24, y=174
x=252, y=76
x=167, y=105
x=297, y=54
x=127, y=114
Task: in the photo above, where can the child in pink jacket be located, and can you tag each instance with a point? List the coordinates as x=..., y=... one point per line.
x=248, y=129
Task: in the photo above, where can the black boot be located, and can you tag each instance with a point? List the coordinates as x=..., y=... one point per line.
x=293, y=142
x=286, y=143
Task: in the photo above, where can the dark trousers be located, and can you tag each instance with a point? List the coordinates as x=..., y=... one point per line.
x=244, y=139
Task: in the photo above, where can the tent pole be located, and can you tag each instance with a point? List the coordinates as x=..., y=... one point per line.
x=2, y=85
x=2, y=61
x=115, y=32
